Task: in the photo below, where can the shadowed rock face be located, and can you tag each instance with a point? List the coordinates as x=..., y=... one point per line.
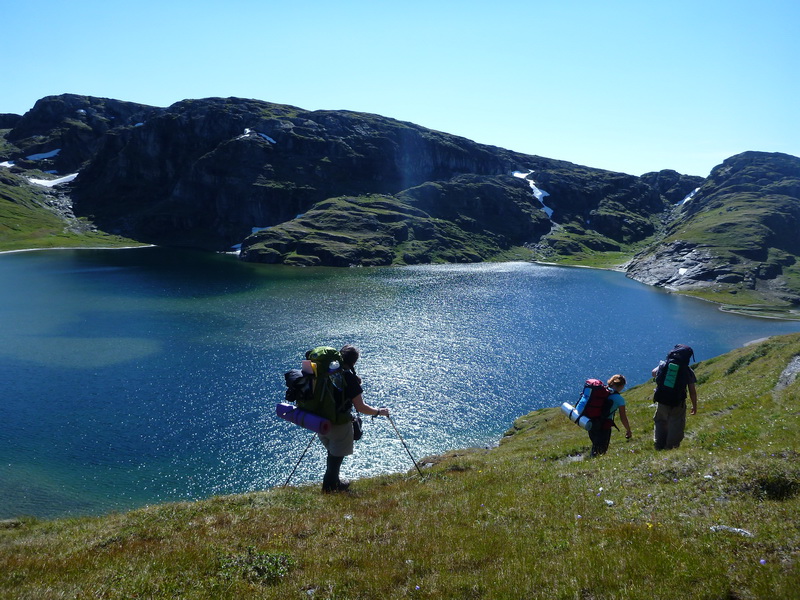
x=206, y=172
x=73, y=124
x=9, y=120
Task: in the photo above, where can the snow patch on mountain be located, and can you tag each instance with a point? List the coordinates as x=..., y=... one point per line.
x=540, y=195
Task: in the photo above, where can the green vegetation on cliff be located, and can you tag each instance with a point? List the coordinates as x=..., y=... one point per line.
x=532, y=518
x=735, y=242
x=454, y=221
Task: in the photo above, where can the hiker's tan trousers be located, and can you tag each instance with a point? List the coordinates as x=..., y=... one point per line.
x=670, y=422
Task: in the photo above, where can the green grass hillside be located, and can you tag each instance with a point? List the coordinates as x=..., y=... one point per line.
x=456, y=221
x=735, y=241
x=532, y=518
x=29, y=218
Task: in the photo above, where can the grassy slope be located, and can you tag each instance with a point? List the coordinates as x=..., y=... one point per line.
x=584, y=256
x=736, y=234
x=529, y=519
x=365, y=230
x=746, y=216
x=26, y=222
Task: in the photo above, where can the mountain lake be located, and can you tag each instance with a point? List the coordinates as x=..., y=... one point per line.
x=132, y=377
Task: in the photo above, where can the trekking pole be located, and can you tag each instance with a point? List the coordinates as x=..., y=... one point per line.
x=404, y=444
x=299, y=461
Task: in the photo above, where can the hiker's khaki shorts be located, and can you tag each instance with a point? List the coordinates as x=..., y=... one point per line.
x=339, y=440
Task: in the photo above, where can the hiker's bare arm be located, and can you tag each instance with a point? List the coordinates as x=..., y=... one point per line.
x=366, y=409
x=693, y=396
x=623, y=416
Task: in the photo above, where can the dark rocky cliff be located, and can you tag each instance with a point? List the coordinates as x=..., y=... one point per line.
x=207, y=172
x=9, y=120
x=74, y=125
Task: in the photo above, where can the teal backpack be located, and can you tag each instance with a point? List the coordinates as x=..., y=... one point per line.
x=328, y=399
x=672, y=376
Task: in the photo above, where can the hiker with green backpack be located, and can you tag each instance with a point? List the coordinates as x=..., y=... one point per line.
x=673, y=378
x=327, y=386
x=339, y=441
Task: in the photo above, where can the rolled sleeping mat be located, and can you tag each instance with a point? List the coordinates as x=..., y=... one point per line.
x=291, y=413
x=570, y=411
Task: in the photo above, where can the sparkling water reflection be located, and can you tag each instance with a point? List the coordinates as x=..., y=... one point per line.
x=141, y=376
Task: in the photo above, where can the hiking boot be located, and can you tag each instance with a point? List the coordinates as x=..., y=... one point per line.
x=339, y=486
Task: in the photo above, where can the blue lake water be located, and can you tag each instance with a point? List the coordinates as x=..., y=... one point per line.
x=132, y=377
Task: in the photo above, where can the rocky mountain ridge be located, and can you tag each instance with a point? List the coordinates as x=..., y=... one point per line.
x=736, y=235
x=341, y=188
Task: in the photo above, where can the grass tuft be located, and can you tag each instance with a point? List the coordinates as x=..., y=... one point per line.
x=254, y=566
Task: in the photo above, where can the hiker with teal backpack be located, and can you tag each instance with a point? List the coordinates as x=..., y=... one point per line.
x=673, y=378
x=327, y=386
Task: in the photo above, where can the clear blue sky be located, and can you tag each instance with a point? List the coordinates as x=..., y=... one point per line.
x=626, y=85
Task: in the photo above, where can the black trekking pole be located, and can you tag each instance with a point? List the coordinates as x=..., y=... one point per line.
x=404, y=444
x=299, y=461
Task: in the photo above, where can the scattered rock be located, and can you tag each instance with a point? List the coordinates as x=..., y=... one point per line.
x=10, y=523
x=789, y=374
x=742, y=532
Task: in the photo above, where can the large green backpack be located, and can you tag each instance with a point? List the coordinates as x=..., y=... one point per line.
x=329, y=399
